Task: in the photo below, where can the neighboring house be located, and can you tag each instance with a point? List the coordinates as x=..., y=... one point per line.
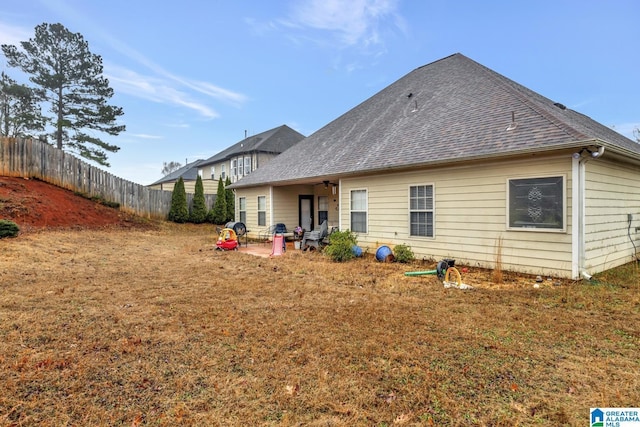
x=245, y=156
x=189, y=174
x=234, y=162
x=458, y=161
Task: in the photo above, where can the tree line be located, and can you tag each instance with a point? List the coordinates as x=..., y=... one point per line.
x=222, y=211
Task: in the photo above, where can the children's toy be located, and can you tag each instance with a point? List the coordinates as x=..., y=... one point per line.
x=227, y=240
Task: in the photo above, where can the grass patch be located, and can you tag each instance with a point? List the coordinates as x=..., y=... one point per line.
x=157, y=328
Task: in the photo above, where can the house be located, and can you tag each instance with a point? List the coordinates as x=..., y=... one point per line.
x=458, y=161
x=236, y=161
x=188, y=172
x=244, y=157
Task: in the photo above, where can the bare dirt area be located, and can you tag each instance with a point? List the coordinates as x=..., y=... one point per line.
x=36, y=205
x=153, y=326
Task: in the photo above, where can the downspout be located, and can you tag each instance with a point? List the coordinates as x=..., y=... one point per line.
x=579, y=210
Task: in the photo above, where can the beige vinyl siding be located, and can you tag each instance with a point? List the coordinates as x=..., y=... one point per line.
x=470, y=215
x=251, y=196
x=285, y=203
x=613, y=191
x=209, y=186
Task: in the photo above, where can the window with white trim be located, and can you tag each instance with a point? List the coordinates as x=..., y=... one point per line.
x=223, y=172
x=536, y=203
x=213, y=172
x=240, y=167
x=242, y=208
x=323, y=209
x=247, y=165
x=262, y=210
x=358, y=211
x=421, y=210
x=234, y=168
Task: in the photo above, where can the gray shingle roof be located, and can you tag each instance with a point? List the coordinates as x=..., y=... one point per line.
x=188, y=172
x=275, y=140
x=450, y=110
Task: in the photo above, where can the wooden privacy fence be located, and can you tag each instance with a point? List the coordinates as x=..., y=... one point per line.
x=36, y=159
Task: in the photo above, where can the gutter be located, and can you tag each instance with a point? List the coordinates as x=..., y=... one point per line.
x=578, y=178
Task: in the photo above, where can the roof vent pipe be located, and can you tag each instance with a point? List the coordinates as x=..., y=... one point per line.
x=513, y=123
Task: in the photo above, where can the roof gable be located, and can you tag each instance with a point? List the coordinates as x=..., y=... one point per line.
x=275, y=140
x=450, y=110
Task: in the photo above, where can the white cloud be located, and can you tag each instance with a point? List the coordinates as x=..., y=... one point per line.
x=12, y=34
x=155, y=89
x=146, y=136
x=355, y=22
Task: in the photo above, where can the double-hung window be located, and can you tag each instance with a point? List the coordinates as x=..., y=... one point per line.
x=536, y=203
x=223, y=172
x=247, y=165
x=421, y=210
x=323, y=209
x=262, y=210
x=240, y=167
x=213, y=172
x=242, y=207
x=358, y=211
x=234, y=168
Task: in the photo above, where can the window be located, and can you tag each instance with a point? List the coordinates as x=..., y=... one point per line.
x=234, y=168
x=323, y=209
x=262, y=210
x=213, y=172
x=200, y=171
x=247, y=165
x=242, y=207
x=359, y=211
x=421, y=210
x=223, y=173
x=536, y=203
x=240, y=167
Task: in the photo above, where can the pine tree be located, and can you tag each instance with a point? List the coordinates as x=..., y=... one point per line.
x=231, y=201
x=218, y=214
x=179, y=210
x=20, y=114
x=198, y=213
x=70, y=79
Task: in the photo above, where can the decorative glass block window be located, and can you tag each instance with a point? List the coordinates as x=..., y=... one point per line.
x=536, y=203
x=323, y=209
x=240, y=167
x=358, y=211
x=421, y=210
x=247, y=165
x=242, y=208
x=262, y=210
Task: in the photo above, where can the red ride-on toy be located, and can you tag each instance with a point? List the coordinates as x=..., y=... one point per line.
x=227, y=240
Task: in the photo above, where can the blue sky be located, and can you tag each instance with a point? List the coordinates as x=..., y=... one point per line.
x=194, y=76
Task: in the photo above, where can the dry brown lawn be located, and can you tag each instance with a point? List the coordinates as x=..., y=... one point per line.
x=155, y=327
